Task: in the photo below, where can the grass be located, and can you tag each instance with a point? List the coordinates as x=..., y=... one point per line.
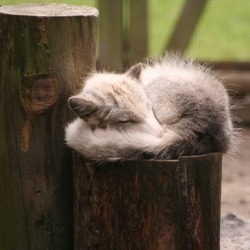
x=223, y=32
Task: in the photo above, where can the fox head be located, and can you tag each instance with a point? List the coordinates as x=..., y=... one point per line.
x=116, y=100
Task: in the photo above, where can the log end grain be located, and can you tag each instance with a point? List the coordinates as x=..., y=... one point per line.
x=41, y=10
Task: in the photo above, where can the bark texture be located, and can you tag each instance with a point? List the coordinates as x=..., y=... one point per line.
x=159, y=205
x=45, y=50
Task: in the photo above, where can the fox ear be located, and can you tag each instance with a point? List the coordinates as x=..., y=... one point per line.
x=135, y=71
x=83, y=108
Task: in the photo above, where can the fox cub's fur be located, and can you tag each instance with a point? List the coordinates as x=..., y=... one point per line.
x=161, y=109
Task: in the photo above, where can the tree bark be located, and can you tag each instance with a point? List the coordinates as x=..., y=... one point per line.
x=148, y=204
x=45, y=50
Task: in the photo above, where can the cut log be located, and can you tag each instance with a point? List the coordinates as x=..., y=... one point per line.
x=45, y=50
x=163, y=205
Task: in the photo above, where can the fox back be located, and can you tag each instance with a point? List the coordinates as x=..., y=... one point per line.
x=162, y=109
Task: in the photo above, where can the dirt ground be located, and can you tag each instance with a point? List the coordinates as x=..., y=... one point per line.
x=235, y=195
x=235, y=198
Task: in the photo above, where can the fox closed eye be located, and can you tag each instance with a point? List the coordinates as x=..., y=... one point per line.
x=127, y=121
x=164, y=108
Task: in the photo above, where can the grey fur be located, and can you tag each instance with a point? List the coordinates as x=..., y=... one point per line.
x=189, y=102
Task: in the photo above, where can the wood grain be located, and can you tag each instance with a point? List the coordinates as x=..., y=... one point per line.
x=45, y=51
x=148, y=204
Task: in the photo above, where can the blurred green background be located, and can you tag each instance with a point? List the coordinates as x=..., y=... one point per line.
x=222, y=33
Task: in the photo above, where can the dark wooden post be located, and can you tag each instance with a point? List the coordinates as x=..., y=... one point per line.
x=45, y=50
x=163, y=205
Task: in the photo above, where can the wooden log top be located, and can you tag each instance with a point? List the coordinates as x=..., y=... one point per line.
x=46, y=10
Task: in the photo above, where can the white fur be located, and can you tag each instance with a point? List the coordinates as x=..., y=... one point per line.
x=176, y=106
x=100, y=144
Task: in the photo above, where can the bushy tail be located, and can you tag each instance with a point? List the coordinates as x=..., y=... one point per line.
x=103, y=145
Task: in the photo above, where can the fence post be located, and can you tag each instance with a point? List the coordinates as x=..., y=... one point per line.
x=111, y=35
x=45, y=50
x=173, y=205
x=138, y=31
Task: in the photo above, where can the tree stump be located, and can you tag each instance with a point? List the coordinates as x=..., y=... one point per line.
x=45, y=50
x=163, y=205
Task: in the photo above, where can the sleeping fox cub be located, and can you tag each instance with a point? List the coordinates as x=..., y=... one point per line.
x=162, y=109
